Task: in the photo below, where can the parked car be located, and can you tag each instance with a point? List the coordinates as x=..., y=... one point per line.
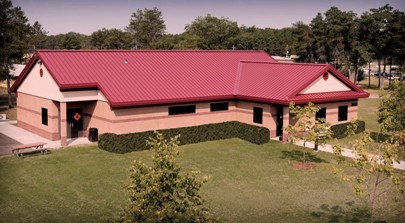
x=382, y=75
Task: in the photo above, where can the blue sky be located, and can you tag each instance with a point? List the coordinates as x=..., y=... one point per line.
x=87, y=16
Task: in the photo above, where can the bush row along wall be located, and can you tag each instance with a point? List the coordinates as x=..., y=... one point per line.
x=339, y=130
x=137, y=141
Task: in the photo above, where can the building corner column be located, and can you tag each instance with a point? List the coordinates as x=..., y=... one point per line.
x=63, y=124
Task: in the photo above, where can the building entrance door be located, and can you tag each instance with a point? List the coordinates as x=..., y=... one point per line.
x=279, y=127
x=74, y=120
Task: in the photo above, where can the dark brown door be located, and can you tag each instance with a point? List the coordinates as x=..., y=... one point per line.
x=75, y=122
x=279, y=127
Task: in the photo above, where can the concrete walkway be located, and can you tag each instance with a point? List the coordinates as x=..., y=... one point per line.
x=13, y=133
x=346, y=152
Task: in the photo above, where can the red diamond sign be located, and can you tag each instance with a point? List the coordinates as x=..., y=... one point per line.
x=77, y=116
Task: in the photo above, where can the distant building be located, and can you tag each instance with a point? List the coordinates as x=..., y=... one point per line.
x=62, y=94
x=289, y=59
x=16, y=69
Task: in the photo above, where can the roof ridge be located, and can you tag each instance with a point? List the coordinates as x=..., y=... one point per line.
x=113, y=50
x=280, y=63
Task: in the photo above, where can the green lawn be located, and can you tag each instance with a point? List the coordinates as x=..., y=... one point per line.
x=367, y=112
x=373, y=85
x=248, y=183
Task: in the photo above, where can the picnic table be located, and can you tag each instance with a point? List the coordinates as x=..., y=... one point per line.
x=20, y=150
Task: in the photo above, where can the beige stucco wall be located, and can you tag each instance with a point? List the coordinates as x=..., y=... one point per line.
x=332, y=111
x=141, y=119
x=332, y=84
x=98, y=114
x=29, y=115
x=46, y=87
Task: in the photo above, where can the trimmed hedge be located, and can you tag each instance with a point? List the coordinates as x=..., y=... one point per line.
x=137, y=141
x=339, y=130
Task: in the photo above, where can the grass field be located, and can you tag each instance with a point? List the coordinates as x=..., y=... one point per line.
x=248, y=183
x=373, y=85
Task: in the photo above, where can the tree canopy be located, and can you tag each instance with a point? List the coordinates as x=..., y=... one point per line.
x=212, y=32
x=14, y=33
x=146, y=26
x=163, y=192
x=391, y=112
x=111, y=39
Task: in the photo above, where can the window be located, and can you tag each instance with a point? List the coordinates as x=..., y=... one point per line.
x=219, y=106
x=44, y=113
x=178, y=110
x=354, y=104
x=257, y=115
x=321, y=114
x=342, y=113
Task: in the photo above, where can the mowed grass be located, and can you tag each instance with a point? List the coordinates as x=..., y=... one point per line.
x=373, y=85
x=367, y=111
x=248, y=183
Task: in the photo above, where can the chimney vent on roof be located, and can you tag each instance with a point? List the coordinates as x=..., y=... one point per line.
x=126, y=61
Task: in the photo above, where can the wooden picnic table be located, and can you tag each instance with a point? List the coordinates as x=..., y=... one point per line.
x=20, y=150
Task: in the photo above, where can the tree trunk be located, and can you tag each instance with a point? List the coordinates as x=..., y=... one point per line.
x=379, y=73
x=389, y=76
x=356, y=70
x=382, y=79
x=10, y=101
x=369, y=74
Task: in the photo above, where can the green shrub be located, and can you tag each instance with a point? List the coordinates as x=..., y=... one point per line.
x=137, y=141
x=380, y=137
x=339, y=130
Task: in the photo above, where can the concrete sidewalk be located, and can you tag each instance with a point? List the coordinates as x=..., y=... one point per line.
x=346, y=152
x=22, y=136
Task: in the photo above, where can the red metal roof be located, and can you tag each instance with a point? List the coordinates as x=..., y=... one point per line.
x=282, y=82
x=133, y=78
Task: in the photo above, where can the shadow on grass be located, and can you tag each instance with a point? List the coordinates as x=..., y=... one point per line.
x=297, y=155
x=337, y=213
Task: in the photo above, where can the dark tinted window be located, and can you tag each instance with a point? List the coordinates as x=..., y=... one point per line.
x=257, y=115
x=178, y=110
x=342, y=113
x=321, y=113
x=44, y=113
x=219, y=106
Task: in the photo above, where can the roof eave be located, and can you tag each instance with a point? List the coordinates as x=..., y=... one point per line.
x=169, y=101
x=324, y=99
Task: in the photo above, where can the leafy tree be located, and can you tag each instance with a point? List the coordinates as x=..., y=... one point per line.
x=111, y=39
x=391, y=112
x=321, y=48
x=53, y=41
x=37, y=37
x=340, y=28
x=212, y=32
x=383, y=30
x=306, y=127
x=372, y=172
x=14, y=33
x=71, y=41
x=147, y=26
x=162, y=192
x=303, y=43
